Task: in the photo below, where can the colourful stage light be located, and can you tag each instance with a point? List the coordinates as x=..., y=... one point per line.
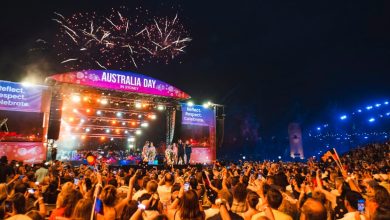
x=144, y=124
x=126, y=131
x=87, y=130
x=83, y=137
x=138, y=132
x=190, y=103
x=131, y=139
x=63, y=108
x=152, y=117
x=88, y=110
x=131, y=146
x=139, y=116
x=107, y=130
x=85, y=99
x=123, y=123
x=104, y=101
x=113, y=122
x=82, y=120
x=117, y=130
x=99, y=112
x=133, y=123
x=76, y=98
x=102, y=138
x=138, y=105
x=71, y=119
x=75, y=110
x=145, y=105
x=119, y=114
x=111, y=139
x=160, y=107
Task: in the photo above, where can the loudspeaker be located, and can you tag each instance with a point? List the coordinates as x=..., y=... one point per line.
x=53, y=130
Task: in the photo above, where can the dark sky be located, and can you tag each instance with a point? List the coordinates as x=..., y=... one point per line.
x=278, y=61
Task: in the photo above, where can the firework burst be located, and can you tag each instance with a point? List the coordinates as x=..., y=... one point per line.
x=86, y=40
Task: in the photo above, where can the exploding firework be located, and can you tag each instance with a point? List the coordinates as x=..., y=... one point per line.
x=86, y=40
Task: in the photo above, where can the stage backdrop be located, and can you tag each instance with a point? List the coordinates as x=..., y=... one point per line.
x=23, y=118
x=198, y=126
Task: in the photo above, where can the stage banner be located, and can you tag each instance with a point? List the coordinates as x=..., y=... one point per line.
x=198, y=127
x=20, y=97
x=121, y=81
x=28, y=152
x=197, y=115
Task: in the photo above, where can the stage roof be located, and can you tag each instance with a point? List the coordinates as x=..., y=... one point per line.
x=123, y=81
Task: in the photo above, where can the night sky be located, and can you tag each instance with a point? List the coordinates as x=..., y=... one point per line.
x=269, y=62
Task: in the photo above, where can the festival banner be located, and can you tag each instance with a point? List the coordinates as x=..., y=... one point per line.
x=121, y=81
x=20, y=97
x=28, y=152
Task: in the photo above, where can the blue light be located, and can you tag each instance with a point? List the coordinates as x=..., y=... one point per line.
x=343, y=117
x=365, y=137
x=386, y=103
x=377, y=105
x=369, y=107
x=388, y=113
x=371, y=119
x=359, y=110
x=318, y=128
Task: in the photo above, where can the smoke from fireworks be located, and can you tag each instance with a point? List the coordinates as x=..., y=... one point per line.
x=86, y=40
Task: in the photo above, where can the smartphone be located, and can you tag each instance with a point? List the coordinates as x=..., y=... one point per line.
x=99, y=206
x=76, y=181
x=31, y=190
x=8, y=206
x=186, y=186
x=141, y=206
x=361, y=206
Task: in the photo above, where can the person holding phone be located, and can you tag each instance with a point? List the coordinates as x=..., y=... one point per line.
x=351, y=202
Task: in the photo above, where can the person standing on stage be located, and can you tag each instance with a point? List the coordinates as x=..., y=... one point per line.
x=145, y=151
x=180, y=152
x=151, y=153
x=169, y=155
x=188, y=151
x=174, y=148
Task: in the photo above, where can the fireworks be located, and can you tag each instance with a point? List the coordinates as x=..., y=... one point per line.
x=86, y=40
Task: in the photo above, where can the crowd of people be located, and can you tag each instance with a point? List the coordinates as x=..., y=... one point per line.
x=359, y=189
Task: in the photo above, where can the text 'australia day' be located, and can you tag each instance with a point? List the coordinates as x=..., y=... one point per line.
x=128, y=80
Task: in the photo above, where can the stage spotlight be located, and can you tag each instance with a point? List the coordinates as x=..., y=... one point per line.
x=160, y=107
x=71, y=119
x=87, y=130
x=117, y=130
x=365, y=137
x=113, y=122
x=371, y=119
x=126, y=131
x=131, y=139
x=206, y=105
x=73, y=137
x=138, y=105
x=386, y=103
x=139, y=116
x=119, y=114
x=131, y=145
x=85, y=98
x=369, y=107
x=88, y=110
x=82, y=120
x=102, y=138
x=279, y=157
x=83, y=137
x=107, y=130
x=123, y=123
x=76, y=98
x=98, y=112
x=133, y=123
x=153, y=117
x=144, y=124
x=190, y=103
x=112, y=139
x=75, y=110
x=343, y=117
x=138, y=132
x=104, y=101
x=377, y=105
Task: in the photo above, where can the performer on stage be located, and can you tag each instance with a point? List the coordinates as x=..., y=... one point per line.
x=188, y=151
x=180, y=152
x=170, y=155
x=151, y=152
x=145, y=150
x=174, y=148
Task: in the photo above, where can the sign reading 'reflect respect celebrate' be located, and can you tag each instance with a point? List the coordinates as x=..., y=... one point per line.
x=20, y=97
x=121, y=81
x=197, y=115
